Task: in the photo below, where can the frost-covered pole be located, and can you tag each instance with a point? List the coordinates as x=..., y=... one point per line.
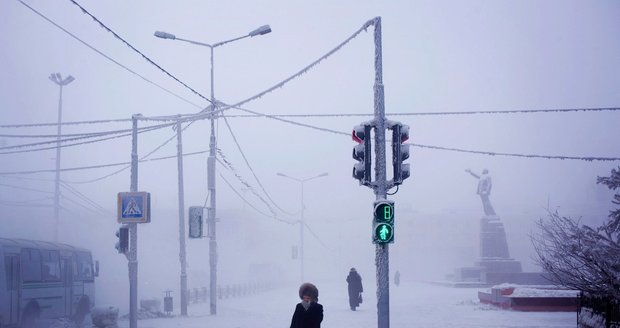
x=382, y=258
x=181, y=220
x=56, y=78
x=133, y=230
x=301, y=234
x=211, y=211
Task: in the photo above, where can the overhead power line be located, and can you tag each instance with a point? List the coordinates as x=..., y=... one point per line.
x=139, y=52
x=111, y=59
x=141, y=159
x=251, y=205
x=29, y=125
x=247, y=162
x=581, y=158
x=65, y=145
x=86, y=136
x=519, y=111
x=222, y=160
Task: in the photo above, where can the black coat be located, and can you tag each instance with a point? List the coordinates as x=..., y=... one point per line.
x=355, y=283
x=310, y=318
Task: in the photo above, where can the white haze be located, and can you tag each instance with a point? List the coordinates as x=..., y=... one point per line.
x=438, y=57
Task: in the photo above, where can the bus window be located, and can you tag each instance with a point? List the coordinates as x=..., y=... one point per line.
x=50, y=266
x=84, y=266
x=31, y=264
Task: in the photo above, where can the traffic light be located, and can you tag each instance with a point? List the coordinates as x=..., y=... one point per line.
x=122, y=245
x=361, y=153
x=400, y=152
x=383, y=223
x=195, y=221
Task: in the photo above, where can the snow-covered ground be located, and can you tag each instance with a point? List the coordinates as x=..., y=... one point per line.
x=411, y=305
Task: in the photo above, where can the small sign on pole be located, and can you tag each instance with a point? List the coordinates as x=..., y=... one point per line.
x=195, y=221
x=134, y=207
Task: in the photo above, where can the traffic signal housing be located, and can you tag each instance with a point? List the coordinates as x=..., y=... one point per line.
x=362, y=153
x=122, y=245
x=400, y=152
x=383, y=222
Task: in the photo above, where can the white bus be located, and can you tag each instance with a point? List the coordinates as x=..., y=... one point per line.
x=42, y=281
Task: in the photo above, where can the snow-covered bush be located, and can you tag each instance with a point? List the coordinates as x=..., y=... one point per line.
x=579, y=256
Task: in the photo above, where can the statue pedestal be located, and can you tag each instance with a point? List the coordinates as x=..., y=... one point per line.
x=494, y=254
x=495, y=266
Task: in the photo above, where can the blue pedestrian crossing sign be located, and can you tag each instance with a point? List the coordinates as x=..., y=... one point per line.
x=134, y=207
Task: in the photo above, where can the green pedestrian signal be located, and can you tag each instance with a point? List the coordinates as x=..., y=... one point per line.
x=383, y=222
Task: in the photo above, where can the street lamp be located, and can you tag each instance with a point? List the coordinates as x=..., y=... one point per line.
x=210, y=170
x=301, y=221
x=56, y=78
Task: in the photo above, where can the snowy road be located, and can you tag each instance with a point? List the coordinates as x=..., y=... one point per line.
x=412, y=305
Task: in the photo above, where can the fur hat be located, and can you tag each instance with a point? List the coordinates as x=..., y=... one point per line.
x=308, y=289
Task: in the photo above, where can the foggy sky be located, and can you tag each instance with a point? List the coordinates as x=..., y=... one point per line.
x=438, y=57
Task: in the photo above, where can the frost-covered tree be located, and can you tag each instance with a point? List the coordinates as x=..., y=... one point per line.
x=579, y=256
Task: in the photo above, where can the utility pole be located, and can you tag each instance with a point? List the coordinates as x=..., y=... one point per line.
x=57, y=79
x=302, y=222
x=382, y=257
x=133, y=230
x=211, y=209
x=182, y=256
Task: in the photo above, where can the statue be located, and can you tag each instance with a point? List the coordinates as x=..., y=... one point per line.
x=484, y=190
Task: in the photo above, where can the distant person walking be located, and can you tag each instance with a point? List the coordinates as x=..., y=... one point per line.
x=308, y=313
x=355, y=289
x=397, y=278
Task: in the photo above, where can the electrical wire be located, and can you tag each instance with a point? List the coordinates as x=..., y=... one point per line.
x=303, y=70
x=317, y=237
x=251, y=205
x=141, y=159
x=84, y=136
x=247, y=162
x=520, y=111
x=25, y=188
x=85, y=198
x=228, y=165
x=66, y=135
x=292, y=122
x=4, y=203
x=79, y=168
x=582, y=158
x=29, y=125
x=139, y=52
x=110, y=58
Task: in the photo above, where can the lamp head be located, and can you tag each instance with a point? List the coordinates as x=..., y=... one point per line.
x=260, y=31
x=164, y=35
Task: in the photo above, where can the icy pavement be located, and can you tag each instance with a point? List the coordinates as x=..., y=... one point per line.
x=411, y=305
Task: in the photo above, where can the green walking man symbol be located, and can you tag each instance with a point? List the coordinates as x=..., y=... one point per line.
x=384, y=233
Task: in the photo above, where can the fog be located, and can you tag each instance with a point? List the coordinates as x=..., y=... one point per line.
x=446, y=56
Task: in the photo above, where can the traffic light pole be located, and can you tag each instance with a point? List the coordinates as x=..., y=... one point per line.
x=133, y=231
x=382, y=258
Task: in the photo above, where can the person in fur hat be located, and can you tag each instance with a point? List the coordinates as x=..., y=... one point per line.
x=308, y=313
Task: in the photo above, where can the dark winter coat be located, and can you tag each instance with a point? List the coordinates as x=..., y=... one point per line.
x=355, y=288
x=310, y=318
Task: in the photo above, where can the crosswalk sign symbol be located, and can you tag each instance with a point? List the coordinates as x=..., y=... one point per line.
x=134, y=207
x=131, y=208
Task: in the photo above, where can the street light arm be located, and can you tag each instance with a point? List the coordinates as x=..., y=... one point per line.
x=228, y=41
x=315, y=177
x=286, y=176
x=196, y=43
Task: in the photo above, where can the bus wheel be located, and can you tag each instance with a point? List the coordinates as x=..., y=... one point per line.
x=83, y=307
x=30, y=316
